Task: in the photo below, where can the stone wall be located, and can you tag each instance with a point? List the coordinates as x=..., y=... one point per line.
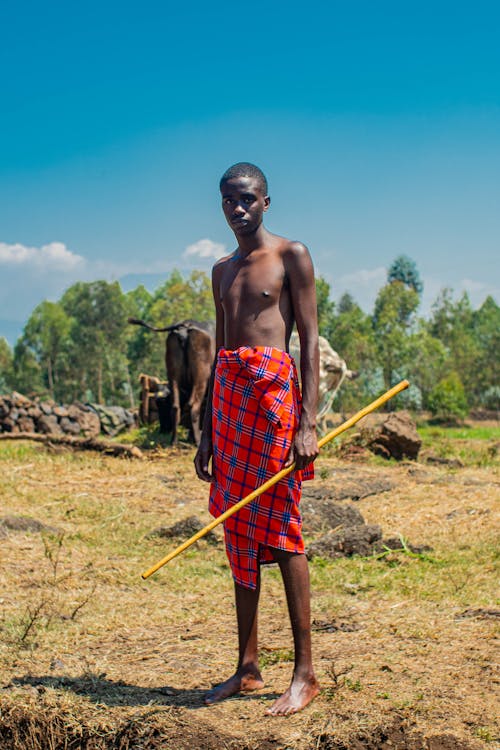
x=21, y=414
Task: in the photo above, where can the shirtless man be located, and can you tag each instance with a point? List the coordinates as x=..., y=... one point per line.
x=260, y=290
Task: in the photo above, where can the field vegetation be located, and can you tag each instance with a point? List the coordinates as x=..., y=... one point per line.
x=92, y=656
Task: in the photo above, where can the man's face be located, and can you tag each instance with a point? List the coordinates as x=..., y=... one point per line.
x=243, y=203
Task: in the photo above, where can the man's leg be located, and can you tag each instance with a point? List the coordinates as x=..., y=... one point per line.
x=247, y=675
x=304, y=686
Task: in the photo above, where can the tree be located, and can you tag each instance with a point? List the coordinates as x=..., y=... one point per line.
x=45, y=334
x=447, y=399
x=353, y=338
x=428, y=362
x=6, y=363
x=453, y=323
x=404, y=269
x=484, y=388
x=392, y=319
x=27, y=371
x=326, y=308
x=97, y=339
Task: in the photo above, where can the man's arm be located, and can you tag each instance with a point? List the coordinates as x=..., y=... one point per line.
x=300, y=274
x=204, y=452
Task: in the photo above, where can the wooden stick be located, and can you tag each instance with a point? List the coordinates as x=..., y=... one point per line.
x=276, y=478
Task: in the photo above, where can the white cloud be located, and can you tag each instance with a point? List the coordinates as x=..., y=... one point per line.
x=205, y=248
x=363, y=284
x=365, y=277
x=52, y=257
x=471, y=286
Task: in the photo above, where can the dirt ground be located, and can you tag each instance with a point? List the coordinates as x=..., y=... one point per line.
x=92, y=656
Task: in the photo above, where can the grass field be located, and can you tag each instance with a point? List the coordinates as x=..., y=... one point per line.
x=93, y=657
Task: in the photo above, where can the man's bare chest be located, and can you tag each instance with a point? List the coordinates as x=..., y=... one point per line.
x=253, y=281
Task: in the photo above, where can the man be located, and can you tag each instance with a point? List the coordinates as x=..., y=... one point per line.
x=255, y=425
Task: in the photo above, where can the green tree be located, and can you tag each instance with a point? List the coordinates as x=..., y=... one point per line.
x=392, y=320
x=97, y=342
x=447, y=399
x=484, y=388
x=27, y=371
x=453, y=323
x=6, y=364
x=326, y=308
x=404, y=269
x=428, y=362
x=45, y=334
x=353, y=338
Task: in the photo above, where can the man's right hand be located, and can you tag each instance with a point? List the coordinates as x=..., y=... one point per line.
x=202, y=459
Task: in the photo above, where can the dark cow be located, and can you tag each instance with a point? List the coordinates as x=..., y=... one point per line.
x=189, y=355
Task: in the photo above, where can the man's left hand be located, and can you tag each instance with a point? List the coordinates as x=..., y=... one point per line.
x=304, y=449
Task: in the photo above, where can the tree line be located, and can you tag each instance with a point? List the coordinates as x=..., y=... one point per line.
x=81, y=348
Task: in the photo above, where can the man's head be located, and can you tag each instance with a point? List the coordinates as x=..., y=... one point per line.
x=245, y=169
x=244, y=197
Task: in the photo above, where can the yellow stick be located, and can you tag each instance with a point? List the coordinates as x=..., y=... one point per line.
x=276, y=478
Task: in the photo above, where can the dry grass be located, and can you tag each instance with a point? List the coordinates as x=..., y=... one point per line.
x=94, y=657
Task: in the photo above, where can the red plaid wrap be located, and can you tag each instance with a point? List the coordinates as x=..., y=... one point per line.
x=255, y=414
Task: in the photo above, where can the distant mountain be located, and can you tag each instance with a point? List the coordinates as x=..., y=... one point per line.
x=11, y=330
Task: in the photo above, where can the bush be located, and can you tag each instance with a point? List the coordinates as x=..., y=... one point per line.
x=447, y=400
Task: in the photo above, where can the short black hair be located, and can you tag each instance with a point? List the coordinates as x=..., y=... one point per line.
x=245, y=169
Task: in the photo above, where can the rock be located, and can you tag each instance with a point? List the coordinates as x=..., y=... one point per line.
x=326, y=515
x=8, y=425
x=395, y=543
x=433, y=458
x=49, y=425
x=113, y=419
x=356, y=540
x=90, y=425
x=352, y=490
x=26, y=424
x=19, y=400
x=46, y=407
x=60, y=411
x=183, y=529
x=34, y=411
x=69, y=426
x=25, y=523
x=397, y=437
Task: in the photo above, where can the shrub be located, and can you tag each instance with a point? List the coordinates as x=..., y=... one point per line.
x=447, y=400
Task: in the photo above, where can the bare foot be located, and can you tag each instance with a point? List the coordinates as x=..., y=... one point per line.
x=242, y=680
x=300, y=693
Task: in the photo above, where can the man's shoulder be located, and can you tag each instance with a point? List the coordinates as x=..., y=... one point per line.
x=221, y=263
x=290, y=247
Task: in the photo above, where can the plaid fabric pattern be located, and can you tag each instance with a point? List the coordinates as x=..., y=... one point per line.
x=255, y=413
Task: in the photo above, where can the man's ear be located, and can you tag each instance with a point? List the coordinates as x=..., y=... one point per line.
x=267, y=202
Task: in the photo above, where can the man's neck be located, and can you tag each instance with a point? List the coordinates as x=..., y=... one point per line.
x=249, y=242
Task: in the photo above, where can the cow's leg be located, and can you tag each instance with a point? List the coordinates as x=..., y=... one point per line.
x=176, y=410
x=175, y=362
x=195, y=402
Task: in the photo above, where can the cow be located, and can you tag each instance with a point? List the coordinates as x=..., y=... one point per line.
x=189, y=355
x=332, y=372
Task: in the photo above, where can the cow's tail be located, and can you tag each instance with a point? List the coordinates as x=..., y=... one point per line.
x=137, y=322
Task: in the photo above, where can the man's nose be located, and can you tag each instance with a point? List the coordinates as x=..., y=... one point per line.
x=239, y=209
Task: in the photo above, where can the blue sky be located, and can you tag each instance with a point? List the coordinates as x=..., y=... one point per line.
x=378, y=126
